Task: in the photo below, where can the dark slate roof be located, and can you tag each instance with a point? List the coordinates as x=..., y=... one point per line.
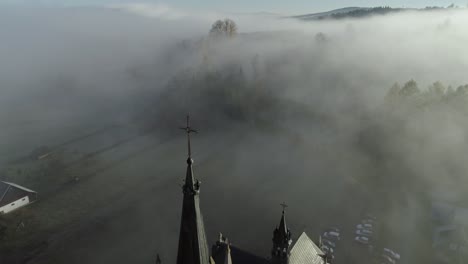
x=305, y=251
x=193, y=246
x=238, y=256
x=3, y=188
x=10, y=192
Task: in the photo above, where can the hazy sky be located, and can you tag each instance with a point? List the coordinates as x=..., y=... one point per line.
x=278, y=6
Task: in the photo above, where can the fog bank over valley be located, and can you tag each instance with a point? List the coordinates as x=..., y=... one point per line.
x=334, y=117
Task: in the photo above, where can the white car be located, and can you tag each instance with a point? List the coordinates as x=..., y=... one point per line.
x=391, y=253
x=332, y=235
x=328, y=243
x=388, y=259
x=371, y=216
x=362, y=240
x=334, y=229
x=363, y=232
x=364, y=226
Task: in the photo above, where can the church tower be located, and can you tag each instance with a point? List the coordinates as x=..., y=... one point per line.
x=281, y=241
x=193, y=247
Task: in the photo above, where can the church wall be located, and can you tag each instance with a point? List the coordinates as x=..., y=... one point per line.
x=15, y=205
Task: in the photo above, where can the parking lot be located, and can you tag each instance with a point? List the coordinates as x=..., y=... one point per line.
x=358, y=243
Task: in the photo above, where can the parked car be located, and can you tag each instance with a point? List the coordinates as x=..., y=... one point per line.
x=328, y=243
x=371, y=216
x=362, y=240
x=391, y=253
x=364, y=232
x=332, y=235
x=364, y=226
x=327, y=249
x=333, y=229
x=368, y=221
x=388, y=259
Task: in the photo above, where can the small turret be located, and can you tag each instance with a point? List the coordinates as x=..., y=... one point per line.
x=281, y=241
x=221, y=251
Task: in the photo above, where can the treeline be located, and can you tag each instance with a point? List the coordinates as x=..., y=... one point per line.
x=436, y=94
x=381, y=10
x=222, y=94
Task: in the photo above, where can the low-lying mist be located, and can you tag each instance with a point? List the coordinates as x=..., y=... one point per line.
x=314, y=100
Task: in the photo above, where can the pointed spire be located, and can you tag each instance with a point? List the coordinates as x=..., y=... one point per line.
x=193, y=247
x=282, y=227
x=158, y=259
x=190, y=186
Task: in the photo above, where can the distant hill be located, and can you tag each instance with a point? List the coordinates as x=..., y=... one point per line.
x=357, y=12
x=328, y=13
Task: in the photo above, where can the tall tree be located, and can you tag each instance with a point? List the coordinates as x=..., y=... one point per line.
x=437, y=89
x=410, y=88
x=226, y=27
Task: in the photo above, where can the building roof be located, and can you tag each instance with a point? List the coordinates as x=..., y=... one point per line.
x=305, y=251
x=223, y=251
x=10, y=192
x=240, y=256
x=19, y=187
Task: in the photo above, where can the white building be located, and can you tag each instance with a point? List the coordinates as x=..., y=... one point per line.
x=13, y=196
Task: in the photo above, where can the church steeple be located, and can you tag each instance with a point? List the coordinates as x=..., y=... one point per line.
x=190, y=184
x=193, y=247
x=281, y=241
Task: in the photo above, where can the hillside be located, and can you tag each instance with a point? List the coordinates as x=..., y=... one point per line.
x=359, y=12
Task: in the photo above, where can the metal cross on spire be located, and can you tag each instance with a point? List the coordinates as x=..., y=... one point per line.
x=189, y=130
x=284, y=205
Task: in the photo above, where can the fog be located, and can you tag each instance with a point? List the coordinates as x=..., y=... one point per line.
x=287, y=110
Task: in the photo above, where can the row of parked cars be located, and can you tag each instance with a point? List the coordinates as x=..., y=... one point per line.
x=365, y=230
x=329, y=240
x=365, y=235
x=389, y=256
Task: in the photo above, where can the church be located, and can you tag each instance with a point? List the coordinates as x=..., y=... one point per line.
x=193, y=245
